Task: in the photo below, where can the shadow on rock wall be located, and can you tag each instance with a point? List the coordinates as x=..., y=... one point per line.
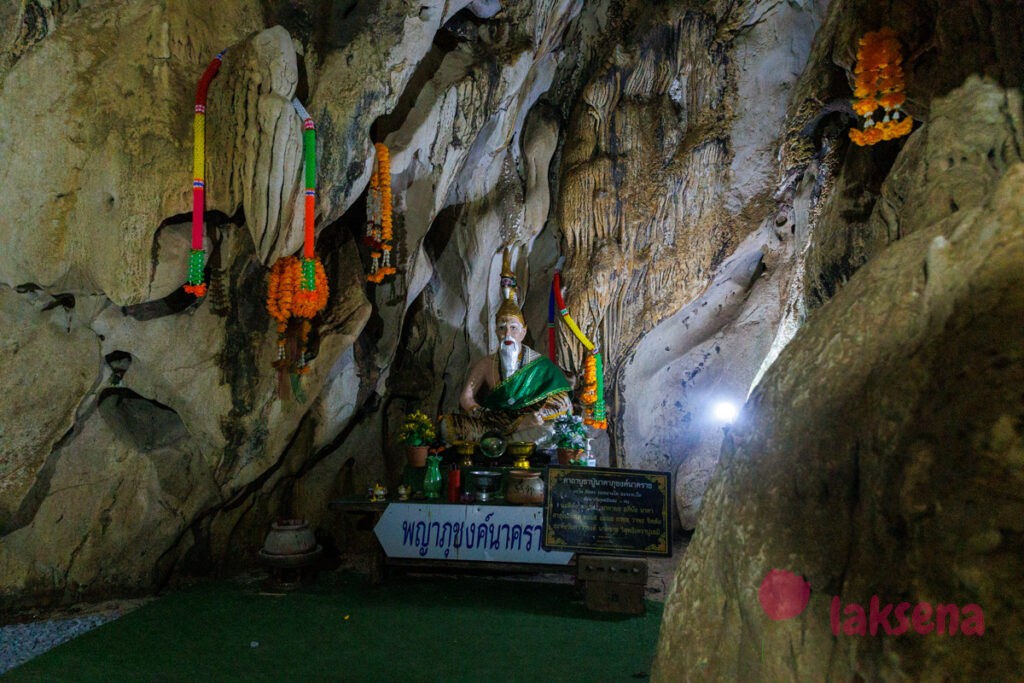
x=880, y=456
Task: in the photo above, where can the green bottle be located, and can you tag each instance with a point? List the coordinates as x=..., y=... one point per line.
x=432, y=477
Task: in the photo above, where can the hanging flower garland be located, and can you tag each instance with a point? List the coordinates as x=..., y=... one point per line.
x=298, y=289
x=286, y=299
x=197, y=257
x=879, y=85
x=593, y=369
x=307, y=292
x=378, y=217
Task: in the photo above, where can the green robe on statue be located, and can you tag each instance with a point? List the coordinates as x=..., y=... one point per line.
x=537, y=386
x=535, y=381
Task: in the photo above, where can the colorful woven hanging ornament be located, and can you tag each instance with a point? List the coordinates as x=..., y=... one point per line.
x=879, y=86
x=378, y=217
x=310, y=263
x=297, y=289
x=552, y=331
x=197, y=257
x=593, y=374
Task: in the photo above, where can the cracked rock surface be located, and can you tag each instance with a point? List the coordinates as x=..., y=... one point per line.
x=880, y=455
x=689, y=160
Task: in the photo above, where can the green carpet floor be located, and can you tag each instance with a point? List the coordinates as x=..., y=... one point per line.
x=342, y=629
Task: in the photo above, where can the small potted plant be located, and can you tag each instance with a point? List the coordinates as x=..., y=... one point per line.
x=417, y=434
x=570, y=438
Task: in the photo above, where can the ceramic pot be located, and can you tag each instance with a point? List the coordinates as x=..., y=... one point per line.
x=289, y=537
x=567, y=454
x=417, y=455
x=525, y=487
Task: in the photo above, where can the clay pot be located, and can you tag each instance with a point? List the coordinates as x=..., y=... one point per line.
x=525, y=487
x=290, y=547
x=567, y=454
x=417, y=455
x=289, y=537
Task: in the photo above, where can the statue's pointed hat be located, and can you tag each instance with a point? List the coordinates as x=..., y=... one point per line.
x=509, y=295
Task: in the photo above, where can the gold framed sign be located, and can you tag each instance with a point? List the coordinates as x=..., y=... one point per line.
x=608, y=510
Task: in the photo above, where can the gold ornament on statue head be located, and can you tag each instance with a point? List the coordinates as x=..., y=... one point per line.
x=509, y=295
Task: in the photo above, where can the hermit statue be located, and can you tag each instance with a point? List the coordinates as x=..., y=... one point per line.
x=516, y=391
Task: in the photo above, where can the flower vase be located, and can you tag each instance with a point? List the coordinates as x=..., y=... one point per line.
x=416, y=455
x=432, y=477
x=565, y=455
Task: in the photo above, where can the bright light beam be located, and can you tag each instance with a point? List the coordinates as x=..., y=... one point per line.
x=725, y=411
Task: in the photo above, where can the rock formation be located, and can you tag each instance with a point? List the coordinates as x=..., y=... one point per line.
x=689, y=160
x=881, y=453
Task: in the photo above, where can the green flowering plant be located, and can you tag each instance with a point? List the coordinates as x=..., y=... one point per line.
x=570, y=432
x=417, y=430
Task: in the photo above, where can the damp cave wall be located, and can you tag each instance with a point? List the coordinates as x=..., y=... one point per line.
x=687, y=159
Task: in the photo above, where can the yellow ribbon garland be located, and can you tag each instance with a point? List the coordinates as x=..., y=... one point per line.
x=593, y=394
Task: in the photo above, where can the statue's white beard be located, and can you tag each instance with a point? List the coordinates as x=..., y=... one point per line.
x=509, y=355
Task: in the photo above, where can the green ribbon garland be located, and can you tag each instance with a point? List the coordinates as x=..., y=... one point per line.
x=309, y=146
x=196, y=263
x=309, y=274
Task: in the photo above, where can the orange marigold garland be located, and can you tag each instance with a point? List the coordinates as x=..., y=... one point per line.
x=879, y=85
x=293, y=307
x=297, y=289
x=378, y=217
x=589, y=395
x=593, y=391
x=593, y=370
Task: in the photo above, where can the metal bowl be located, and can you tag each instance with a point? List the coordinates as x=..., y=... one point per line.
x=485, y=483
x=486, y=480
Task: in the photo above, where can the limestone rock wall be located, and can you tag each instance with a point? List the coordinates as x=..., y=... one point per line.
x=470, y=171
x=670, y=216
x=687, y=159
x=880, y=455
x=168, y=432
x=839, y=469
x=165, y=421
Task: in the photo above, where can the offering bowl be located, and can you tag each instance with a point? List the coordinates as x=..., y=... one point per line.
x=485, y=483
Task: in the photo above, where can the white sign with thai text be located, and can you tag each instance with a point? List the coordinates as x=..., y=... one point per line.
x=483, y=533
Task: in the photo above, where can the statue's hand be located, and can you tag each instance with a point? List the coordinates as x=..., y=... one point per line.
x=534, y=419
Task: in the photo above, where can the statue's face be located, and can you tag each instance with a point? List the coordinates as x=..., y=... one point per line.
x=510, y=327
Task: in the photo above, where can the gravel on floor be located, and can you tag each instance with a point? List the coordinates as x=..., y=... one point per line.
x=23, y=641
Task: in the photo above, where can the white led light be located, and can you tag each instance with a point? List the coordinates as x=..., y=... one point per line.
x=724, y=411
